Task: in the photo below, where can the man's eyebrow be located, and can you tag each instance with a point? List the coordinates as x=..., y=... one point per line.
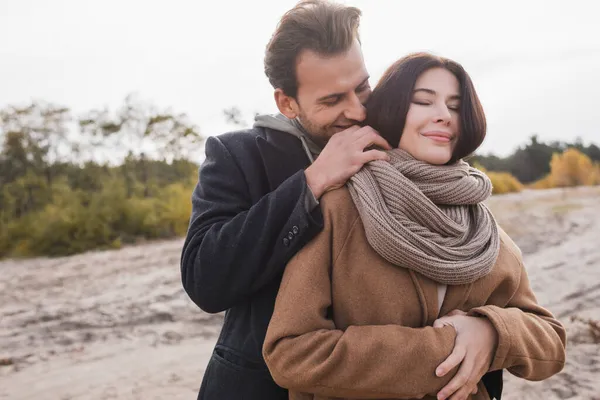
x=334, y=95
x=433, y=92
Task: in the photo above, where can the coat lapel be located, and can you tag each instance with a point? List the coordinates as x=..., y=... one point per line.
x=427, y=292
x=455, y=298
x=282, y=155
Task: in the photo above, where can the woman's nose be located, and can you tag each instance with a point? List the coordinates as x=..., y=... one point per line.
x=443, y=114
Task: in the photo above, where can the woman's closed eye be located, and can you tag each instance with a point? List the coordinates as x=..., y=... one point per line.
x=451, y=107
x=421, y=103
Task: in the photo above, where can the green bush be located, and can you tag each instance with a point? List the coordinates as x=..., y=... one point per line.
x=74, y=221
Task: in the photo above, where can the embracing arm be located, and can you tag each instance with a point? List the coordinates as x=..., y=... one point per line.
x=305, y=351
x=235, y=248
x=531, y=342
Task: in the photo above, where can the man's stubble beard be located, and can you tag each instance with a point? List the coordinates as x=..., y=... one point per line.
x=318, y=134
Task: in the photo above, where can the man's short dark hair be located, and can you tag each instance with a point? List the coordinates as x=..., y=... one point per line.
x=323, y=27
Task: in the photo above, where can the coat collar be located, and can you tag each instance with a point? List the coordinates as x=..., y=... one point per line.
x=283, y=155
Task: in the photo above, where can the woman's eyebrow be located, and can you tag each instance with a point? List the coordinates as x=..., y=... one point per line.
x=425, y=90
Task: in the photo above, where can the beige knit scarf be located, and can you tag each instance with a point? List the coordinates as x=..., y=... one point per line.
x=428, y=218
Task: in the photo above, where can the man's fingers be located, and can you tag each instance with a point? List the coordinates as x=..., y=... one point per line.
x=348, y=131
x=372, y=155
x=381, y=142
x=371, y=138
x=455, y=358
x=361, y=131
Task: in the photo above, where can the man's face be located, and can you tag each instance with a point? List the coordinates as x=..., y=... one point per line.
x=332, y=92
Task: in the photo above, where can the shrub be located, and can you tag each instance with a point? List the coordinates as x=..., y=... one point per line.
x=502, y=182
x=571, y=168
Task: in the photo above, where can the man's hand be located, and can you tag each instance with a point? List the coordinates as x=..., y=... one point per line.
x=474, y=347
x=342, y=157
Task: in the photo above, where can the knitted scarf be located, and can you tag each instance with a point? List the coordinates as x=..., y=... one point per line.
x=428, y=218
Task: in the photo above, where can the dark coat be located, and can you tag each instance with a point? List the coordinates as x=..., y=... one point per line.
x=249, y=218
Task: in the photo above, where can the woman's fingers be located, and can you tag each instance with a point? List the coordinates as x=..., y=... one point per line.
x=459, y=383
x=455, y=358
x=463, y=393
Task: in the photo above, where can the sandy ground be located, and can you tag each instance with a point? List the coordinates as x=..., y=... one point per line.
x=117, y=324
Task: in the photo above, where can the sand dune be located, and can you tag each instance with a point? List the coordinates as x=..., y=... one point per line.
x=117, y=324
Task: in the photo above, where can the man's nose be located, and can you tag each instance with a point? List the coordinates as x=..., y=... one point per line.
x=355, y=110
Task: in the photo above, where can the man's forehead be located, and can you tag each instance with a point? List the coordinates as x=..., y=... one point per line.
x=324, y=74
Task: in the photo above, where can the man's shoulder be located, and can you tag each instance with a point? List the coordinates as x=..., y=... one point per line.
x=239, y=144
x=243, y=136
x=248, y=142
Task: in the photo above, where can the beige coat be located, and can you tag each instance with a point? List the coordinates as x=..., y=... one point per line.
x=348, y=324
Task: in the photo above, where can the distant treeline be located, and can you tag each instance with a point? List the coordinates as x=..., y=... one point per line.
x=63, y=193
x=531, y=162
x=103, y=179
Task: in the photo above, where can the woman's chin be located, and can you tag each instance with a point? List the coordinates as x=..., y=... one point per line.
x=434, y=158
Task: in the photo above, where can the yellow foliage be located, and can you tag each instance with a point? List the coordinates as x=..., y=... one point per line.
x=503, y=182
x=594, y=178
x=544, y=183
x=571, y=168
x=175, y=208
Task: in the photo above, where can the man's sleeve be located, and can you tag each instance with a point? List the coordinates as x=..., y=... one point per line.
x=235, y=248
x=310, y=201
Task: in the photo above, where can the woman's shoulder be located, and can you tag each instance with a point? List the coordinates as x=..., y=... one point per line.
x=339, y=210
x=508, y=245
x=509, y=266
x=338, y=201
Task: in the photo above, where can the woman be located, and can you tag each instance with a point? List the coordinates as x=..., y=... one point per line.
x=360, y=311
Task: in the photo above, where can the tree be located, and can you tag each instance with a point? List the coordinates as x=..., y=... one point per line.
x=233, y=115
x=140, y=128
x=571, y=168
x=33, y=139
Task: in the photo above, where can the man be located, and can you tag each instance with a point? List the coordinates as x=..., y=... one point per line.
x=256, y=202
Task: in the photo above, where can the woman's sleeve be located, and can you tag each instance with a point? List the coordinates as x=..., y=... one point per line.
x=531, y=342
x=305, y=352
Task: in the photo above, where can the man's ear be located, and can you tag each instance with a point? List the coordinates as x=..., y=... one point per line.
x=287, y=105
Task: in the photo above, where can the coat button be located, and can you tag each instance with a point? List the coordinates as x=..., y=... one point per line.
x=295, y=230
x=286, y=242
x=290, y=235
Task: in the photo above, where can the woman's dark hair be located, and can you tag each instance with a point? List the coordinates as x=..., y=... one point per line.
x=389, y=103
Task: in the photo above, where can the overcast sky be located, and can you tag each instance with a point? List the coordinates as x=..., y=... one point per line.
x=535, y=64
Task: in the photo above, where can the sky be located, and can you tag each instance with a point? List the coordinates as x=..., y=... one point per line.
x=535, y=64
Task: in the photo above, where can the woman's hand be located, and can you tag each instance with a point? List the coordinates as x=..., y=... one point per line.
x=474, y=348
